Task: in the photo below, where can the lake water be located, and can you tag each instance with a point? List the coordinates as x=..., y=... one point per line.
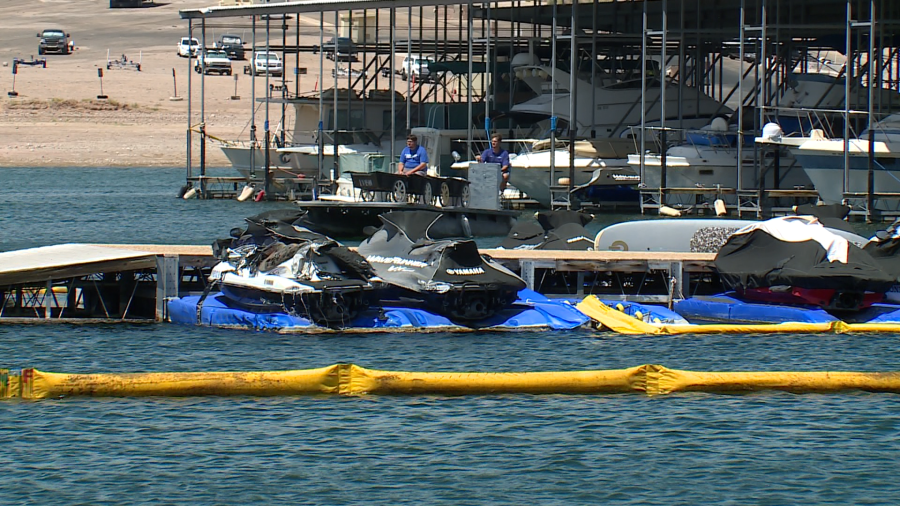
x=766, y=448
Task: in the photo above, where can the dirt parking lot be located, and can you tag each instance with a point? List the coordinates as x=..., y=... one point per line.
x=57, y=120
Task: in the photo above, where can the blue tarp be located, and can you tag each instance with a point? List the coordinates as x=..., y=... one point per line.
x=725, y=308
x=532, y=310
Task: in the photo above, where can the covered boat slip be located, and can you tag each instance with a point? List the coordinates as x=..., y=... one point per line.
x=706, y=47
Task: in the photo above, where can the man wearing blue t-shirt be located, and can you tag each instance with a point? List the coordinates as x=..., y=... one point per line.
x=496, y=154
x=413, y=158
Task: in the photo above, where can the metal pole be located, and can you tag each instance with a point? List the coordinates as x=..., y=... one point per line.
x=469, y=84
x=848, y=76
x=268, y=138
x=393, y=80
x=188, y=133
x=552, y=181
x=489, y=73
x=873, y=82
x=644, y=100
x=253, y=142
x=663, y=144
x=202, y=52
x=320, y=138
x=573, y=111
x=335, y=164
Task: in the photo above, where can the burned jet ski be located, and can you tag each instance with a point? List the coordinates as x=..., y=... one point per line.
x=554, y=230
x=274, y=265
x=448, y=276
x=796, y=260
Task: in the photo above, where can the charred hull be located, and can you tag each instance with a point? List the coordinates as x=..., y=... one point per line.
x=450, y=277
x=474, y=303
x=330, y=307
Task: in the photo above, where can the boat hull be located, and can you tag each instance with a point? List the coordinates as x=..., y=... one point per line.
x=328, y=307
x=280, y=164
x=826, y=170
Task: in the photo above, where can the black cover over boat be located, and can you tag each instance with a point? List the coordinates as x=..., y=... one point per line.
x=830, y=215
x=554, y=230
x=795, y=257
x=276, y=265
x=449, y=276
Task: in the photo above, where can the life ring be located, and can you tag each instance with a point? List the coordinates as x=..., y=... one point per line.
x=285, y=158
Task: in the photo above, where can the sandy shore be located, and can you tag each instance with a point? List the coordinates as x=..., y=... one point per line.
x=57, y=120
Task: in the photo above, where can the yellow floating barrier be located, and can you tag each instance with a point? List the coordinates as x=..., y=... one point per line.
x=669, y=380
x=622, y=323
x=350, y=379
x=35, y=384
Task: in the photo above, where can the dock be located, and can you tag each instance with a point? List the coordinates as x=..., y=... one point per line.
x=92, y=283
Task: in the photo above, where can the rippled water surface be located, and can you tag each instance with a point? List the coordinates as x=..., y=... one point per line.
x=766, y=448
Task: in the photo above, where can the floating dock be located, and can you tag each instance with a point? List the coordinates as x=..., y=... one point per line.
x=132, y=282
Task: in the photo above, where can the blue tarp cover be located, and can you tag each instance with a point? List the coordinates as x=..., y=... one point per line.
x=727, y=309
x=532, y=310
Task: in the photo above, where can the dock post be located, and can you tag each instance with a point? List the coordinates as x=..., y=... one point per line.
x=527, y=273
x=48, y=294
x=167, y=268
x=676, y=273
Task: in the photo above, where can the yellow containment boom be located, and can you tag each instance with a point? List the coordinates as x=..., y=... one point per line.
x=350, y=379
x=622, y=323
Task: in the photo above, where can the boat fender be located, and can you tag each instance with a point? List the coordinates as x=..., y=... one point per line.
x=246, y=192
x=563, y=181
x=467, y=229
x=260, y=196
x=639, y=315
x=669, y=211
x=720, y=207
x=189, y=194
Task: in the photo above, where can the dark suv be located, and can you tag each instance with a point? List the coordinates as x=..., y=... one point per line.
x=232, y=45
x=346, y=49
x=53, y=41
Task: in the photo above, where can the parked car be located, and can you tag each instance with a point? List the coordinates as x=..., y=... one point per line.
x=54, y=41
x=188, y=47
x=213, y=61
x=265, y=63
x=346, y=49
x=232, y=45
x=417, y=68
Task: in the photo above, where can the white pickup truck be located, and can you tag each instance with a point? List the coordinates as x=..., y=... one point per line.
x=265, y=63
x=212, y=61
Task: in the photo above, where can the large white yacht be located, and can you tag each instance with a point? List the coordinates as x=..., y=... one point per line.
x=823, y=160
x=608, y=103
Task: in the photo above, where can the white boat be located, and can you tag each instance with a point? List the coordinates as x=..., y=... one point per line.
x=530, y=170
x=826, y=92
x=305, y=157
x=370, y=114
x=610, y=104
x=823, y=161
x=708, y=158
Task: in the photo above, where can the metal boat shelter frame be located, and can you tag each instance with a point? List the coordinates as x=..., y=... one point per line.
x=696, y=32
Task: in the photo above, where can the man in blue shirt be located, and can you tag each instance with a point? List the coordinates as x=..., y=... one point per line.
x=496, y=154
x=413, y=158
